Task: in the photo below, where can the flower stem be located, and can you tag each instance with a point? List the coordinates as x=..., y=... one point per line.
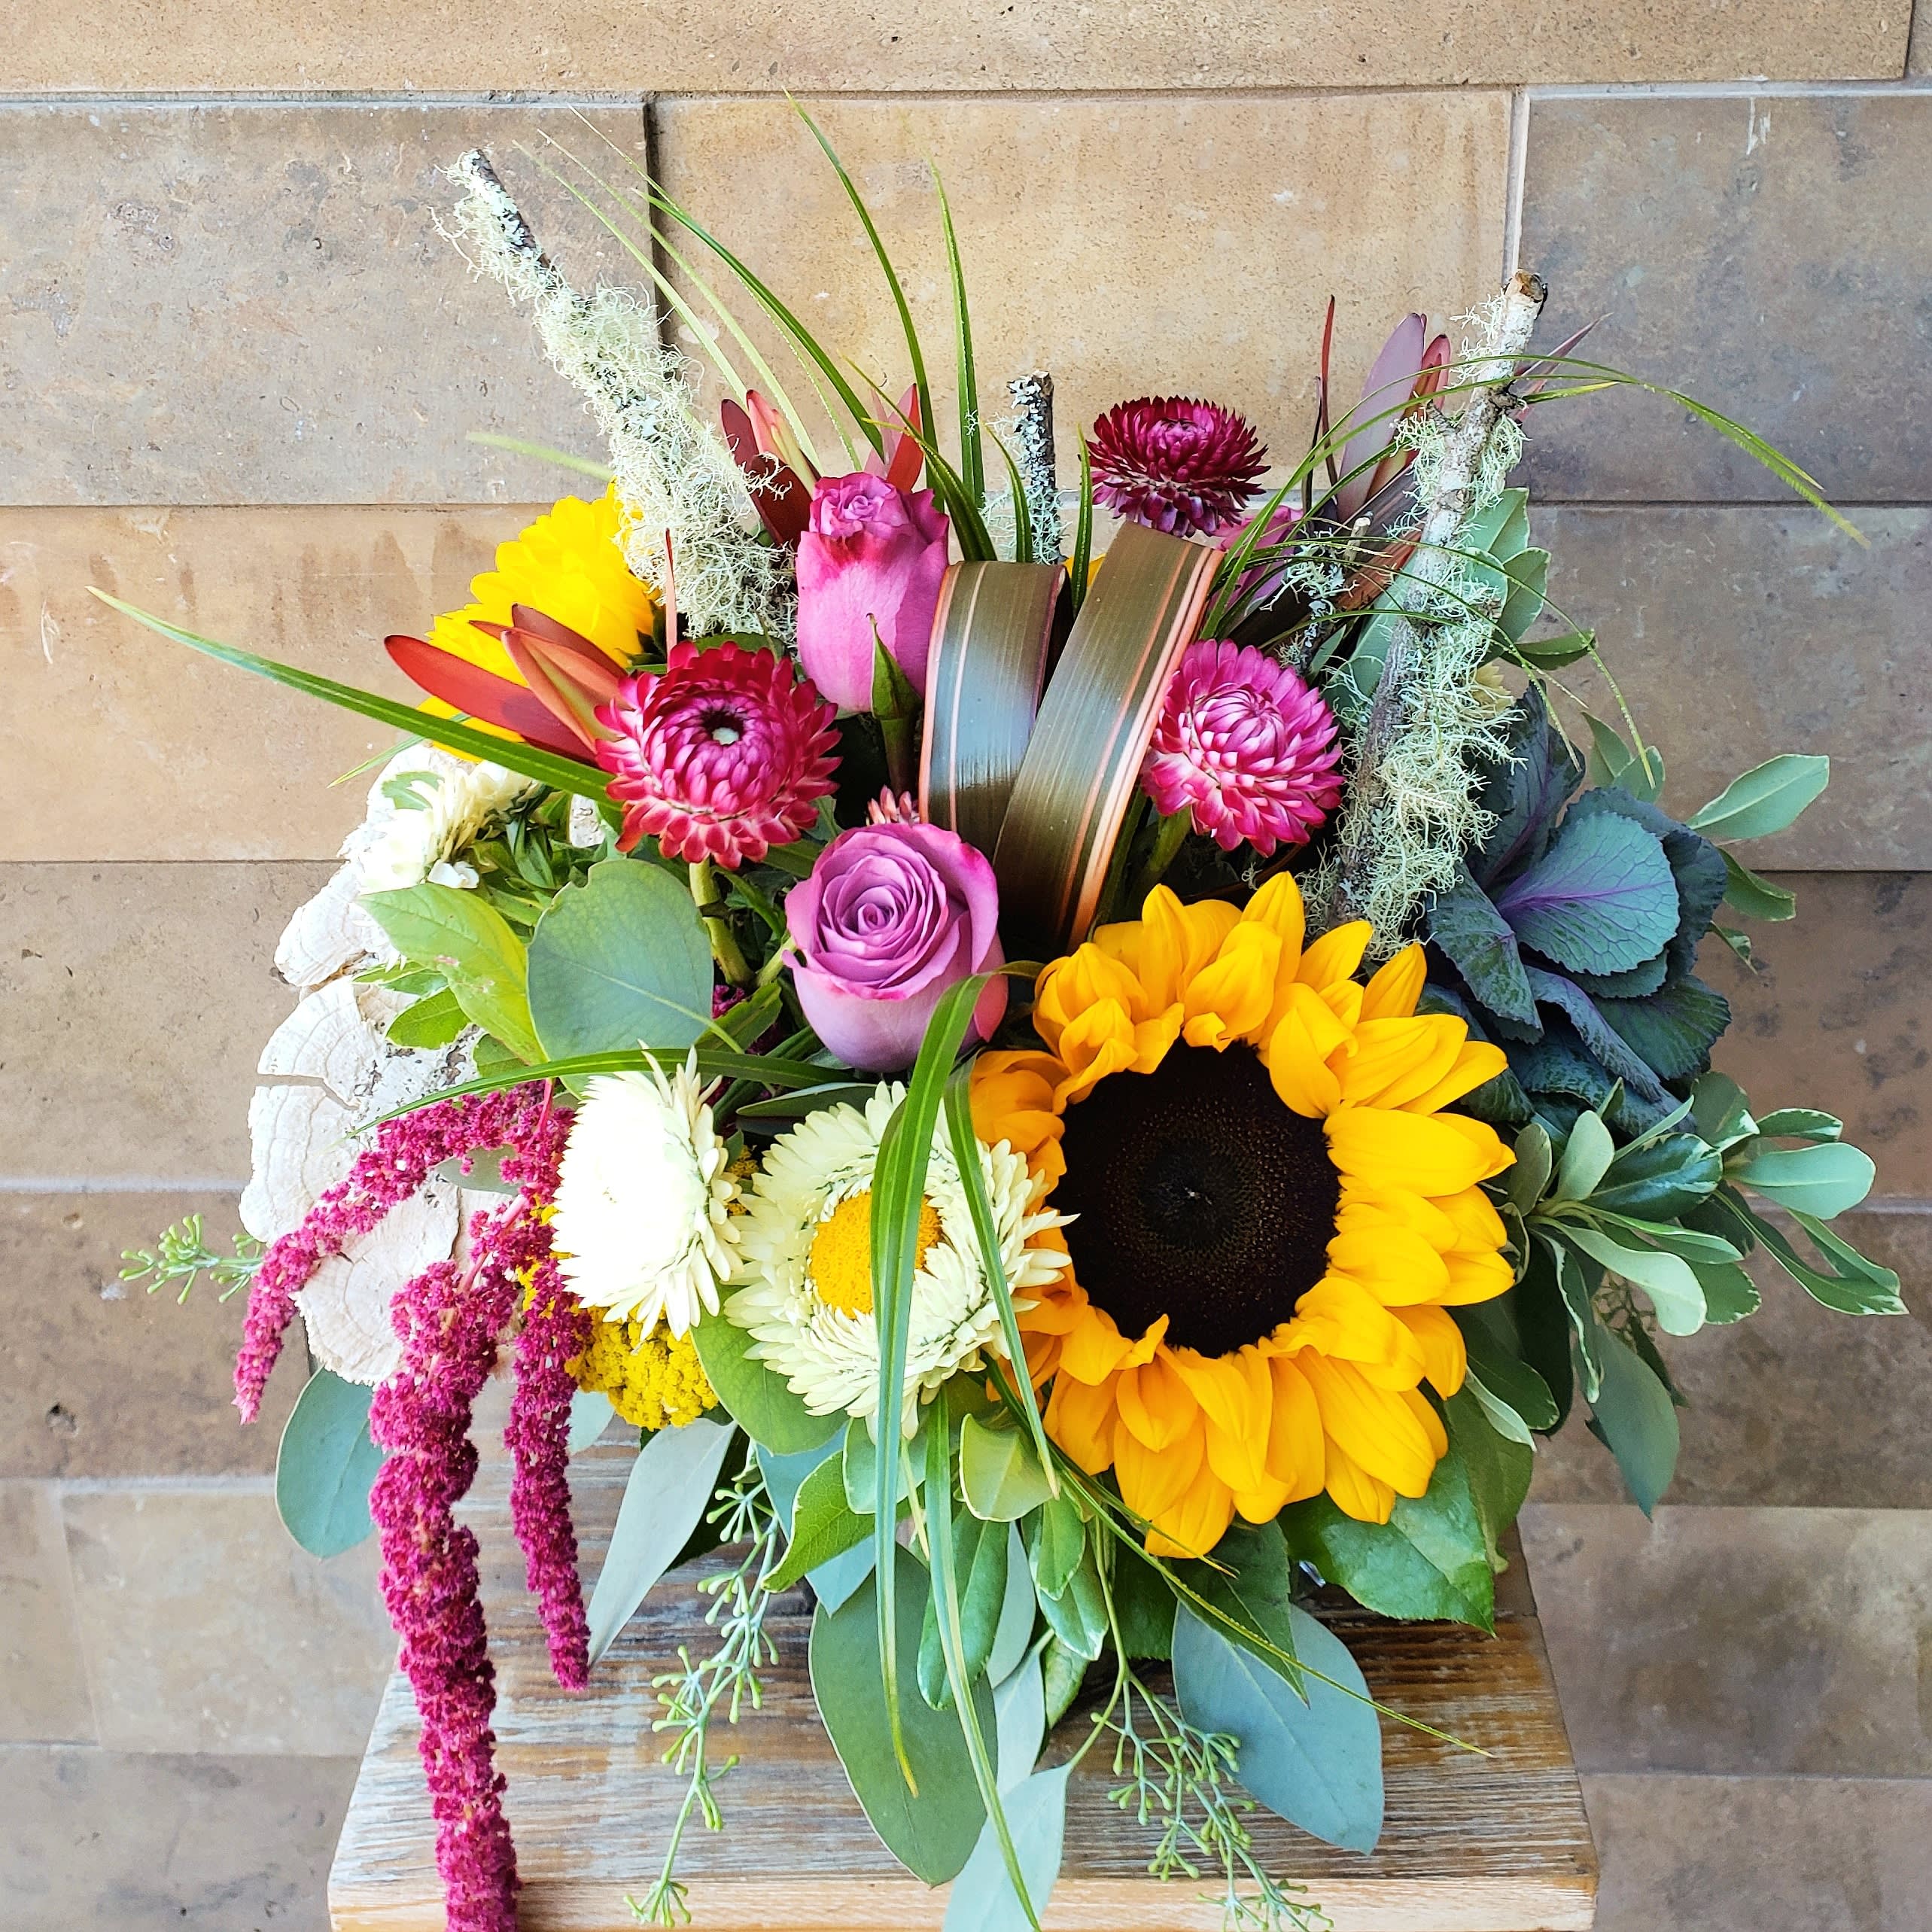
x=1174, y=828
x=725, y=948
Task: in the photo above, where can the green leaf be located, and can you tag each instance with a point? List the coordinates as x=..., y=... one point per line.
x=1823, y=1180
x=966, y=375
x=984, y=1899
x=980, y=1550
x=1498, y=1469
x=1668, y=1279
x=1530, y=1175
x=1254, y=1589
x=1078, y=1614
x=758, y=1398
x=1849, y=1282
x=1801, y=1124
x=1752, y=897
x=930, y=1825
x=1493, y=1357
x=1587, y=1154
x=1143, y=1605
x=1659, y=1180
x=1429, y=1561
x=1015, y=1630
x=1721, y=1110
x=1553, y=653
x=1055, y=1538
x=1019, y=1704
x=1695, y=1245
x=620, y=961
x=1613, y=763
x=1318, y=1763
x=432, y=1022
x=591, y=1412
x=1482, y=946
x=1001, y=1477
x=472, y=943
x=1729, y=1293
x=1575, y=1291
x=1766, y=800
x=1064, y=1671
x=1078, y=564
x=824, y=1525
x=325, y=1465
x=668, y=1493
x=562, y=774
x=1632, y=1413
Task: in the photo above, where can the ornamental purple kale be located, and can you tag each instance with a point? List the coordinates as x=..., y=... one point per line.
x=1570, y=938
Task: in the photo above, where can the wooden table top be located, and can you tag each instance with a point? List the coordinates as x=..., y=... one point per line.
x=1471, y=1844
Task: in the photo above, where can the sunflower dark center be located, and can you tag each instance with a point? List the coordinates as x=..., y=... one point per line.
x=1200, y=1198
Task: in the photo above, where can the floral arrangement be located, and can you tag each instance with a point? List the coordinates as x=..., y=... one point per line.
x=1072, y=1089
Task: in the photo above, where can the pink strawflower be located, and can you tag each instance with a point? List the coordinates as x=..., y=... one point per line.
x=1248, y=744
x=556, y=1327
x=1174, y=463
x=723, y=757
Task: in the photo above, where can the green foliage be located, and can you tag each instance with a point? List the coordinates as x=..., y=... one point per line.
x=1003, y=1477
x=984, y=1899
x=432, y=1022
x=473, y=947
x=1767, y=798
x=824, y=1524
x=325, y=1465
x=980, y=1550
x=1633, y=1414
x=181, y=1254
x=620, y=961
x=758, y=1399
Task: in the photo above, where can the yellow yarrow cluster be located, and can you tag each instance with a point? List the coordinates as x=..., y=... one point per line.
x=654, y=1381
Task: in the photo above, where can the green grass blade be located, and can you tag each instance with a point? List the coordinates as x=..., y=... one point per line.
x=541, y=452
x=1022, y=515
x=562, y=774
x=972, y=460
x=949, y=487
x=920, y=385
x=952, y=1648
x=965, y=1154
x=1083, y=531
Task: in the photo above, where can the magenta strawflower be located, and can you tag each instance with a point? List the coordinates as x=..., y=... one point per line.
x=1248, y=745
x=725, y=755
x=1174, y=463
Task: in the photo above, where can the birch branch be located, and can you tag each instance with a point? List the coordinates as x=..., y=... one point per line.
x=1033, y=434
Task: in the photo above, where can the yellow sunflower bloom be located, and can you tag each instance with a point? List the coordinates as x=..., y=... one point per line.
x=1271, y=1220
x=570, y=565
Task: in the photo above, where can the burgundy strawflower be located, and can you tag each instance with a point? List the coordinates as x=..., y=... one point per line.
x=724, y=755
x=1246, y=742
x=1174, y=463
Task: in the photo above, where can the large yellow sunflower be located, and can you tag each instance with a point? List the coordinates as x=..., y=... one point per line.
x=569, y=564
x=1272, y=1212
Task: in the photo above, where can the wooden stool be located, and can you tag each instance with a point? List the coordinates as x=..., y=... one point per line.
x=1494, y=1843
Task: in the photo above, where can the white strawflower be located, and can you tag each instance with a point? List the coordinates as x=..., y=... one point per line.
x=425, y=810
x=643, y=1226
x=805, y=1244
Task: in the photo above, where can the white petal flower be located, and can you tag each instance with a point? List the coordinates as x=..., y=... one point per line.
x=401, y=844
x=804, y=1262
x=643, y=1226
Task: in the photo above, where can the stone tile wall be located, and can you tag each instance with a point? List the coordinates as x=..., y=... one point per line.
x=240, y=370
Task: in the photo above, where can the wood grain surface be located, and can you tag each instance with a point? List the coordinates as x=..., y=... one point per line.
x=1494, y=1843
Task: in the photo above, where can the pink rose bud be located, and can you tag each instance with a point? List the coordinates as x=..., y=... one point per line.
x=872, y=556
x=892, y=916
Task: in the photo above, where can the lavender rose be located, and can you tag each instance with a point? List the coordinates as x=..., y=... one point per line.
x=892, y=916
x=871, y=555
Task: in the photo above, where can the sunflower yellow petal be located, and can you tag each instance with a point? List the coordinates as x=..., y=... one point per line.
x=1234, y=1392
x=1476, y=1278
x=1356, y=1492
x=1442, y=1345
x=1098, y=1041
x=1341, y=1318
x=1156, y=1402
x=1423, y=1410
x=1375, y=1427
x=1094, y=1347
x=1298, y=1067
x=1336, y=954
x=1081, y=1420
x=1478, y=1062
x=1429, y=1153
x=1231, y=996
x=1367, y=1208
x=1264, y=1502
x=1392, y=993
x=1395, y=1264
x=1395, y=1060
x=1479, y=1228
x=1278, y=905
x=1197, y=1522
x=1176, y=941
x=1294, y=1458
x=1154, y=1480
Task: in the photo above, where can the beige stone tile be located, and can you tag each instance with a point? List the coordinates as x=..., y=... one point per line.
x=1838, y=1013
x=1735, y=634
x=1799, y=1404
x=1919, y=57
x=43, y=1687
x=249, y=303
x=99, y=1378
x=137, y=999
x=738, y=47
x=1767, y=1640
x=1765, y=253
x=101, y=1839
x=1761, y=1855
x=1130, y=245
x=205, y=1629
x=119, y=743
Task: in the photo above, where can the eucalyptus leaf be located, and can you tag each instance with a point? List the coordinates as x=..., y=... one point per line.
x=622, y=960
x=1078, y=1615
x=668, y=1490
x=1014, y=1631
x=1063, y=1671
x=1253, y=1588
x=980, y=1552
x=1632, y=1413
x=1823, y=1180
x=933, y=1831
x=983, y=1898
x=757, y=1398
x=1318, y=1763
x=1765, y=799
x=1019, y=1706
x=325, y=1465
x=1752, y=897
x=1001, y=1476
x=1668, y=1279
x=590, y=1414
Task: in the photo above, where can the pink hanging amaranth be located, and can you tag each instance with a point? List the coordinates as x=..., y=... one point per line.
x=382, y=1178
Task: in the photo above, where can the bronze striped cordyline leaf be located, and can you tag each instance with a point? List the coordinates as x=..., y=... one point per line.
x=1084, y=759
x=984, y=677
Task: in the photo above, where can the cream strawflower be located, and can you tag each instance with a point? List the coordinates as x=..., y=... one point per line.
x=644, y=1225
x=422, y=836
x=804, y=1242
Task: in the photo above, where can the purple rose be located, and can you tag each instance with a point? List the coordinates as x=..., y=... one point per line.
x=872, y=555
x=892, y=916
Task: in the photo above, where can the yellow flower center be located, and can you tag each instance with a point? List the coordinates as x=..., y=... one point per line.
x=840, y=1263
